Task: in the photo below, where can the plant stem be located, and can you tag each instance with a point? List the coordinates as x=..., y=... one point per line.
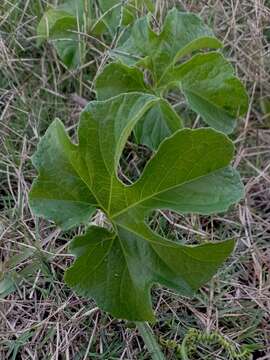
x=150, y=340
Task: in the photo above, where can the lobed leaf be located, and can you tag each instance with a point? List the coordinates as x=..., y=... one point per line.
x=206, y=80
x=119, y=270
x=190, y=172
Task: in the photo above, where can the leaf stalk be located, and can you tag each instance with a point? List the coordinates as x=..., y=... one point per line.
x=150, y=341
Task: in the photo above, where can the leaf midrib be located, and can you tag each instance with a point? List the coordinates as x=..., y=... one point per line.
x=179, y=55
x=163, y=191
x=207, y=100
x=170, y=244
x=127, y=129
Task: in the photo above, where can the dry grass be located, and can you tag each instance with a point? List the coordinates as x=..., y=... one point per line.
x=40, y=318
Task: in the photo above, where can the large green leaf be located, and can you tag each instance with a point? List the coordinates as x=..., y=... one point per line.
x=181, y=34
x=190, y=172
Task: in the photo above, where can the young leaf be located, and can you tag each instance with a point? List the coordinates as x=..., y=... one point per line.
x=118, y=78
x=189, y=173
x=211, y=89
x=181, y=34
x=207, y=81
x=118, y=13
x=55, y=23
x=60, y=26
x=110, y=15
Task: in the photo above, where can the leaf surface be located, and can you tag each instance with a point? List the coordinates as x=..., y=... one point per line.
x=59, y=194
x=117, y=13
x=157, y=124
x=118, y=271
x=190, y=172
x=55, y=23
x=118, y=78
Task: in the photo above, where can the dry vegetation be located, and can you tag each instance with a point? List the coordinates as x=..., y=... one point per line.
x=40, y=318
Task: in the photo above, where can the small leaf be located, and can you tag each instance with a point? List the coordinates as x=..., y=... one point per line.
x=61, y=25
x=117, y=78
x=132, y=8
x=211, y=89
x=55, y=23
x=190, y=172
x=116, y=13
x=110, y=17
x=7, y=285
x=70, y=50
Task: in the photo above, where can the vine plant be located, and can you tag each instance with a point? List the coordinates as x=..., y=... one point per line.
x=189, y=172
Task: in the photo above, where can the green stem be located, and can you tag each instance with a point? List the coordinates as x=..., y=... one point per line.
x=150, y=340
x=183, y=350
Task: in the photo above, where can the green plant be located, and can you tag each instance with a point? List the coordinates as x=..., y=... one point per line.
x=190, y=172
x=67, y=24
x=207, y=79
x=194, y=337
